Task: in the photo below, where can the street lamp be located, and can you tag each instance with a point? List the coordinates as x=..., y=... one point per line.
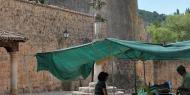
x=66, y=34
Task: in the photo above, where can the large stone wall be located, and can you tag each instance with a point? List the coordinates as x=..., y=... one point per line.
x=44, y=26
x=122, y=16
x=127, y=25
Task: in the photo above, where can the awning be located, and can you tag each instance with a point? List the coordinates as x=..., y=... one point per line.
x=68, y=64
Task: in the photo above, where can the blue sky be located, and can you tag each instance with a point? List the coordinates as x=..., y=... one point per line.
x=164, y=6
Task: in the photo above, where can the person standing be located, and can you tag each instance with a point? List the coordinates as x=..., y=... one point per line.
x=184, y=89
x=100, y=88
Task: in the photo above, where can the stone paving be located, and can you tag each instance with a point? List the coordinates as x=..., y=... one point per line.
x=54, y=93
x=51, y=93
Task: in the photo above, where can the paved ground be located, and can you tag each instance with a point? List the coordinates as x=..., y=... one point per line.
x=51, y=93
x=54, y=93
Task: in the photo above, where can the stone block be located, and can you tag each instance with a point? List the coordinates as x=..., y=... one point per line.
x=111, y=89
x=80, y=93
x=84, y=89
x=92, y=84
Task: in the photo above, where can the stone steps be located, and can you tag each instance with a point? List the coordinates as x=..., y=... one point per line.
x=90, y=90
x=83, y=93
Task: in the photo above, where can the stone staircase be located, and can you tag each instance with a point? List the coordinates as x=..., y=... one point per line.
x=89, y=90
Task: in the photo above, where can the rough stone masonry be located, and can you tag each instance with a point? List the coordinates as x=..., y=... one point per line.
x=44, y=26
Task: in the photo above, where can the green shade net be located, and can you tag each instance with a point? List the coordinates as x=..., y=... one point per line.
x=70, y=63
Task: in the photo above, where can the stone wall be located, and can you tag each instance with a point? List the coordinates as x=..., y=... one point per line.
x=122, y=16
x=44, y=26
x=166, y=71
x=78, y=5
x=149, y=77
x=158, y=72
x=127, y=25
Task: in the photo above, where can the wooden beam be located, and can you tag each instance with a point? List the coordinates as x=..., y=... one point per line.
x=10, y=46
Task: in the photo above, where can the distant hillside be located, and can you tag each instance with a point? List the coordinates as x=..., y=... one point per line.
x=151, y=17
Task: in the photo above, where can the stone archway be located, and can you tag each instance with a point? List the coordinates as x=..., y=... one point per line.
x=10, y=41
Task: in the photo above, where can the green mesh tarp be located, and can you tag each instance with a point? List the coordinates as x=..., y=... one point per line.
x=70, y=63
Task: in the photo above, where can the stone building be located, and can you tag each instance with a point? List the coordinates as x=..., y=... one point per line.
x=124, y=23
x=122, y=17
x=43, y=25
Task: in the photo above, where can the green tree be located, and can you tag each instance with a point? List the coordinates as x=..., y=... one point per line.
x=98, y=5
x=177, y=12
x=187, y=11
x=151, y=17
x=174, y=28
x=40, y=1
x=161, y=34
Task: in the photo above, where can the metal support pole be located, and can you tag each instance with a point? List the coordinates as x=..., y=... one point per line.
x=92, y=74
x=144, y=73
x=135, y=77
x=113, y=61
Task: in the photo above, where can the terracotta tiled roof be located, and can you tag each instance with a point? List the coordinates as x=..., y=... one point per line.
x=11, y=36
